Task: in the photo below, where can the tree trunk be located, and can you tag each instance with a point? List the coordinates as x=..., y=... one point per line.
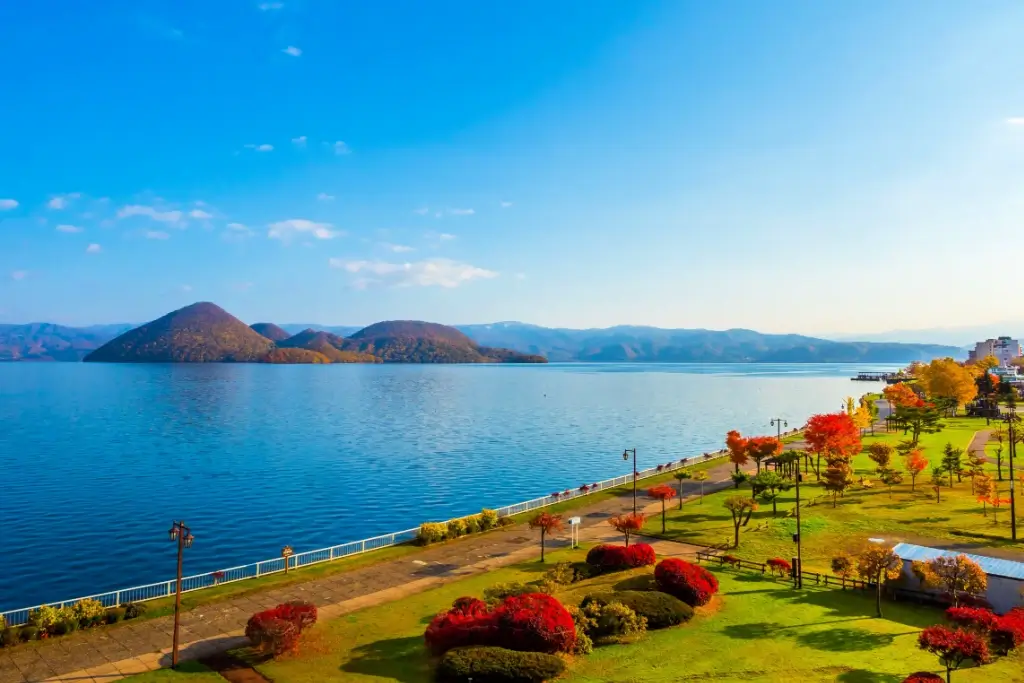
x=680, y=494
x=878, y=596
x=913, y=482
x=542, y=532
x=775, y=510
x=947, y=674
x=662, y=515
x=736, y=530
x=627, y=539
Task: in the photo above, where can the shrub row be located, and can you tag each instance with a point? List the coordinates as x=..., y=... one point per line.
x=435, y=532
x=533, y=622
x=1004, y=633
x=498, y=665
x=615, y=557
x=661, y=610
x=47, y=621
x=690, y=583
x=277, y=630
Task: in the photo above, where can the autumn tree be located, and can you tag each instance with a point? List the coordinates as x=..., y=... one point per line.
x=832, y=436
x=681, y=476
x=976, y=462
x=952, y=462
x=983, y=365
x=984, y=487
x=881, y=454
x=767, y=484
x=996, y=502
x=663, y=493
x=1000, y=436
x=899, y=395
x=945, y=378
x=919, y=419
x=851, y=406
x=741, y=508
x=548, y=524
x=891, y=478
x=737, y=447
x=627, y=524
x=862, y=418
x=701, y=477
x=761, y=447
x=837, y=479
x=843, y=566
x=879, y=564
x=954, y=647
x=959, y=577
x=915, y=463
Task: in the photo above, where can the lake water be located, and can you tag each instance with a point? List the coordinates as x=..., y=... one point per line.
x=97, y=460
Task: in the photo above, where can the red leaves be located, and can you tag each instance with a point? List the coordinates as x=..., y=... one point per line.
x=833, y=435
x=661, y=492
x=780, y=566
x=737, y=446
x=692, y=584
x=547, y=522
x=761, y=447
x=277, y=630
x=1008, y=631
x=615, y=557
x=975, y=618
x=954, y=647
x=923, y=677
x=534, y=622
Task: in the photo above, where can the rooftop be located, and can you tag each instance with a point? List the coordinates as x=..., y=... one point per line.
x=993, y=566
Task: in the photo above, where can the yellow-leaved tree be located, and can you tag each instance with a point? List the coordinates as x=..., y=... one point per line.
x=862, y=417
x=946, y=379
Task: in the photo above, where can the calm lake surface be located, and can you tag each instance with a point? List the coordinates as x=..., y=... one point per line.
x=97, y=460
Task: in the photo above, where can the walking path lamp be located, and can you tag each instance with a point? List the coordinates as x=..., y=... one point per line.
x=779, y=423
x=1011, y=419
x=181, y=535
x=625, y=456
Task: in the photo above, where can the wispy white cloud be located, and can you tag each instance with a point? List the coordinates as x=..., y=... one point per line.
x=93, y=249
x=287, y=229
x=238, y=227
x=269, y=6
x=200, y=214
x=292, y=50
x=171, y=217
x=19, y=274
x=445, y=236
x=324, y=197
x=156, y=235
x=61, y=201
x=1016, y=120
x=68, y=228
x=299, y=141
x=237, y=232
x=260, y=148
x=422, y=211
x=461, y=212
x=505, y=205
x=8, y=204
x=436, y=272
x=397, y=248
x=339, y=147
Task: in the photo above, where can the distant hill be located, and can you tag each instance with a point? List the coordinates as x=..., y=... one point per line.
x=270, y=331
x=328, y=345
x=653, y=344
x=48, y=342
x=339, y=330
x=294, y=356
x=414, y=341
x=200, y=333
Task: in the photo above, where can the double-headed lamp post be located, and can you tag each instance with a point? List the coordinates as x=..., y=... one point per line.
x=182, y=535
x=625, y=456
x=1011, y=419
x=798, y=579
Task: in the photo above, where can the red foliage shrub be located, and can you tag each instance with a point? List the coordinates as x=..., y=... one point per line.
x=1008, y=631
x=614, y=557
x=972, y=617
x=534, y=622
x=277, y=630
x=954, y=647
x=692, y=584
x=923, y=677
x=780, y=566
x=468, y=606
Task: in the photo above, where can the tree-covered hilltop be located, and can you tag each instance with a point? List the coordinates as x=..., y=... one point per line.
x=295, y=357
x=327, y=344
x=270, y=331
x=200, y=333
x=413, y=341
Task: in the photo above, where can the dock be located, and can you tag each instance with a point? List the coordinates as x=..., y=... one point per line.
x=887, y=377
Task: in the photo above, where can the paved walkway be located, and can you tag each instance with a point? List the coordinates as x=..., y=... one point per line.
x=111, y=653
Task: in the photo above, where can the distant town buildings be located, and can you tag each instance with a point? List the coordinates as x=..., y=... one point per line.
x=1004, y=349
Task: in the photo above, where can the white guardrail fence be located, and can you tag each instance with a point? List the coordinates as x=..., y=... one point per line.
x=163, y=589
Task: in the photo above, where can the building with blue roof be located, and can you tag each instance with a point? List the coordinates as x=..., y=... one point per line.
x=1005, y=577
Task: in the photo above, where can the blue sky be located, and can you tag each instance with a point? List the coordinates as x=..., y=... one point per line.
x=792, y=166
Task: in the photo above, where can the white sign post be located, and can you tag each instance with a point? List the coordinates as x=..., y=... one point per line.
x=574, y=532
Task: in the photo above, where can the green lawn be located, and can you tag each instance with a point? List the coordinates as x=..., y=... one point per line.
x=756, y=630
x=189, y=672
x=861, y=514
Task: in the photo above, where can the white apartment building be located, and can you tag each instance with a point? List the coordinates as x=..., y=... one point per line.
x=1004, y=349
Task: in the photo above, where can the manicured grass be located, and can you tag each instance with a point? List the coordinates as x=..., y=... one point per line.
x=861, y=514
x=757, y=629
x=193, y=672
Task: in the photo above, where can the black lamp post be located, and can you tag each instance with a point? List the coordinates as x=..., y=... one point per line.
x=625, y=456
x=1011, y=420
x=780, y=423
x=182, y=535
x=798, y=579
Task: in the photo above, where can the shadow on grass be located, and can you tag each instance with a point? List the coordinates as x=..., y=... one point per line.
x=758, y=631
x=641, y=582
x=845, y=640
x=400, y=659
x=850, y=603
x=865, y=676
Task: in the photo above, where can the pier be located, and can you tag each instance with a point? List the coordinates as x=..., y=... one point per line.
x=887, y=377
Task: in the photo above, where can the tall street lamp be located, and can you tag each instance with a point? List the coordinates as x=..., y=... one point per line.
x=625, y=456
x=798, y=579
x=780, y=423
x=1011, y=420
x=182, y=535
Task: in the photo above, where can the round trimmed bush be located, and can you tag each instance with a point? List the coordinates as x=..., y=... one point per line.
x=640, y=555
x=498, y=665
x=10, y=636
x=133, y=610
x=115, y=614
x=692, y=584
x=660, y=609
x=923, y=677
x=29, y=632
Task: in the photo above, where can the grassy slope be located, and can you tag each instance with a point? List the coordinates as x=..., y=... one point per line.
x=861, y=514
x=758, y=630
x=193, y=672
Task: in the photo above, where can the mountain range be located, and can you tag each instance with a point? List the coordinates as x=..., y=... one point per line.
x=43, y=341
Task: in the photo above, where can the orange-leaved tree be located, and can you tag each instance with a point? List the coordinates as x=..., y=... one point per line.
x=737, y=447
x=899, y=395
x=547, y=523
x=664, y=493
x=627, y=524
x=833, y=436
x=959, y=577
x=996, y=502
x=984, y=487
x=879, y=564
x=915, y=463
x=761, y=447
x=947, y=379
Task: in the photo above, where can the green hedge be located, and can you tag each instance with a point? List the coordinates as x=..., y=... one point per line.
x=498, y=665
x=661, y=609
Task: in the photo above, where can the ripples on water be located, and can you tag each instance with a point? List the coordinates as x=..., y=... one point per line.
x=98, y=459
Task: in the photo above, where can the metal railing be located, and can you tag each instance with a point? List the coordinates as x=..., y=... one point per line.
x=243, y=572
